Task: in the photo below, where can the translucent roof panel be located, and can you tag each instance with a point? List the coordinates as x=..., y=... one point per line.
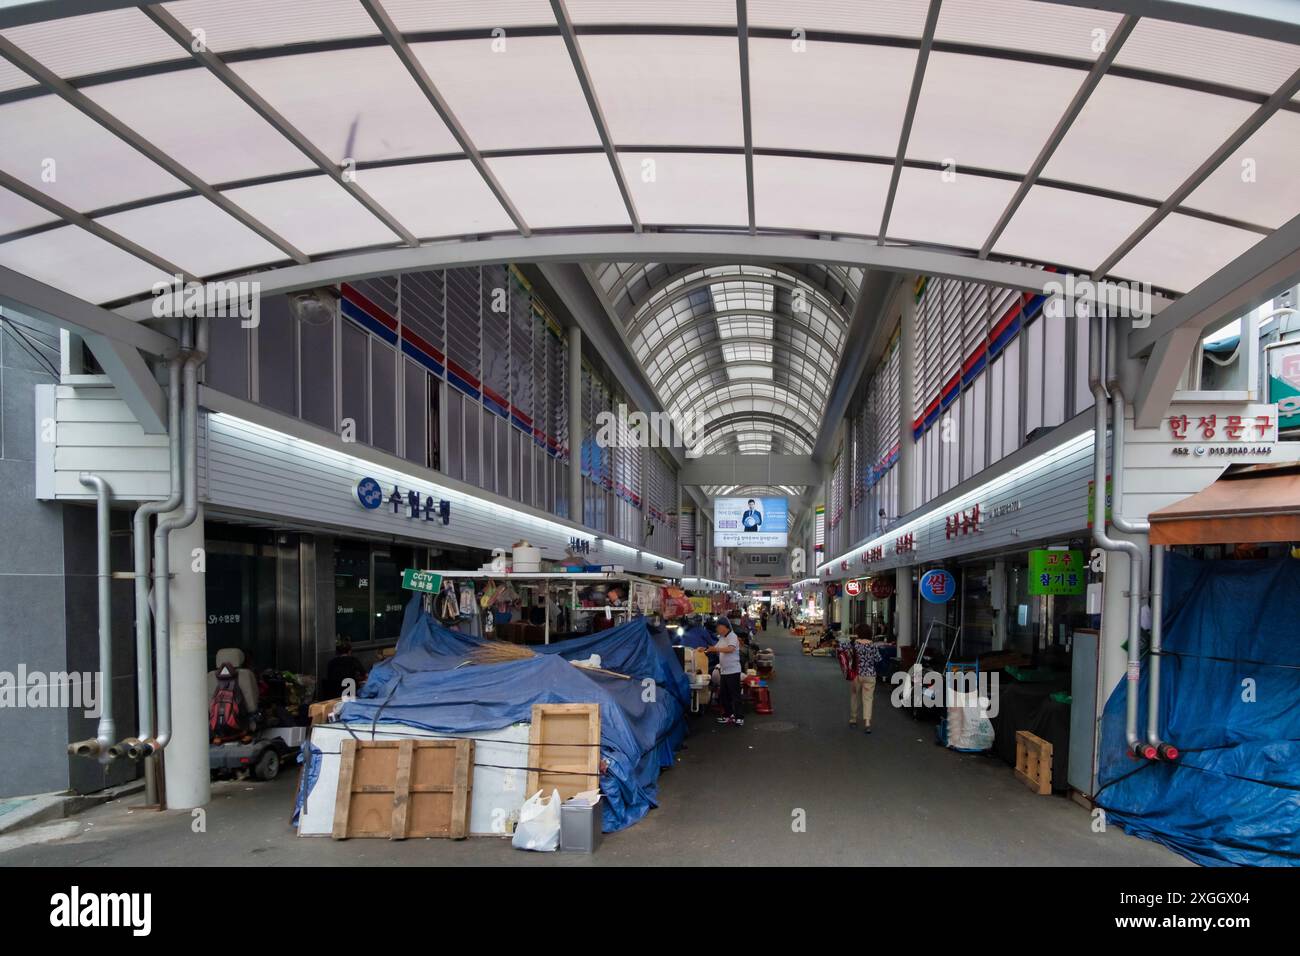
x=1214, y=56
x=1182, y=251
x=16, y=213
x=82, y=264
x=897, y=18
x=163, y=113
x=988, y=112
x=1097, y=225
x=412, y=16
x=829, y=97
x=1050, y=28
x=700, y=12
x=667, y=89
x=560, y=191
x=437, y=200
x=700, y=188
x=228, y=25
x=51, y=146
x=94, y=43
x=950, y=210
x=195, y=234
x=1163, y=132
x=360, y=104
x=496, y=93
x=819, y=194
x=314, y=213
x=1258, y=183
x=740, y=372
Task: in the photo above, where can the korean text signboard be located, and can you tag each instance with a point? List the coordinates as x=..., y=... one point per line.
x=1056, y=572
x=426, y=581
x=938, y=586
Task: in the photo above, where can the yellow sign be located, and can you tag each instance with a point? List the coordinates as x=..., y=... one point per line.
x=702, y=605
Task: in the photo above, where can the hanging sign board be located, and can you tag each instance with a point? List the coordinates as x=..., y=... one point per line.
x=1282, y=361
x=1056, y=572
x=853, y=588
x=426, y=581
x=938, y=586
x=702, y=605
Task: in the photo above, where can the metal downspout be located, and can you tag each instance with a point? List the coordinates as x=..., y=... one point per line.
x=142, y=745
x=1107, y=543
x=162, y=538
x=106, y=730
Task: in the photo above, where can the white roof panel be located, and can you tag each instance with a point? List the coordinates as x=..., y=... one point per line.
x=71, y=259
x=947, y=210
x=1214, y=56
x=1260, y=182
x=226, y=25
x=820, y=195
x=437, y=200
x=897, y=18
x=1050, y=28
x=314, y=213
x=829, y=97
x=699, y=188
x=1070, y=228
x=667, y=89
x=563, y=190
x=498, y=95
x=1183, y=251
x=94, y=43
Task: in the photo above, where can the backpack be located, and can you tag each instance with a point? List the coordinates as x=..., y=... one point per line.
x=226, y=712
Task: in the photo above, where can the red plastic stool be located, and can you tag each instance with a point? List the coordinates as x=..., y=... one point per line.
x=762, y=700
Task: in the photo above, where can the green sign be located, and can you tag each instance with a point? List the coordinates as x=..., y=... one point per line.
x=426, y=581
x=1056, y=572
x=1283, y=361
x=1092, y=503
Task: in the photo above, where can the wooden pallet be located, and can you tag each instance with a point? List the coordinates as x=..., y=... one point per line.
x=564, y=749
x=397, y=789
x=1034, y=762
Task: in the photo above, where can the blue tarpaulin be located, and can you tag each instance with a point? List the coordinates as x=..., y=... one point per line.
x=642, y=721
x=1229, y=682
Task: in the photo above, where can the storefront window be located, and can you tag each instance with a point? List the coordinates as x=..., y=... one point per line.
x=977, y=609
x=352, y=593
x=389, y=598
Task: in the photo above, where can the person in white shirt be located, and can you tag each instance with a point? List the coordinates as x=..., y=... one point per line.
x=728, y=651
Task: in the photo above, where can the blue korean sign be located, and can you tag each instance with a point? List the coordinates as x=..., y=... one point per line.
x=369, y=493
x=938, y=586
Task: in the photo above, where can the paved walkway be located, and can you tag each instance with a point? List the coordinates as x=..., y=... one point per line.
x=890, y=798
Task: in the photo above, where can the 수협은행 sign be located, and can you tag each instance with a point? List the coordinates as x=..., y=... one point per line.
x=1056, y=572
x=426, y=581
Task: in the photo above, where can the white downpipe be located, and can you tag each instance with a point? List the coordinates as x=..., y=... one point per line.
x=143, y=622
x=1153, y=680
x=162, y=539
x=1103, y=540
x=106, y=730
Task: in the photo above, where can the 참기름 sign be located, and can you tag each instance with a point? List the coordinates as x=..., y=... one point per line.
x=429, y=582
x=1054, y=571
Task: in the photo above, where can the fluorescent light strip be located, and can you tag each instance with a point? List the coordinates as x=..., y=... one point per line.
x=1045, y=460
x=385, y=475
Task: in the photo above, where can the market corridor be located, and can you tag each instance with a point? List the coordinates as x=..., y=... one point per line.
x=893, y=798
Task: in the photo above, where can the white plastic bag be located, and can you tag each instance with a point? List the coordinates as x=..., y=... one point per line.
x=539, y=823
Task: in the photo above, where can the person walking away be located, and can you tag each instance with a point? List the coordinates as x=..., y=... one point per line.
x=762, y=622
x=865, y=660
x=728, y=651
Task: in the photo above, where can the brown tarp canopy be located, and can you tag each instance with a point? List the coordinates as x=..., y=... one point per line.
x=1248, y=504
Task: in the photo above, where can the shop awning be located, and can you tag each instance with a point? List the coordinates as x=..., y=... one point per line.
x=1251, y=503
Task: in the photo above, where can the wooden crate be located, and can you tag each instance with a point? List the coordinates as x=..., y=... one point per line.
x=318, y=713
x=396, y=789
x=1034, y=762
x=564, y=749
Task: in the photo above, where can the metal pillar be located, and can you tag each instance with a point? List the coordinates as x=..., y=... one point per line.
x=906, y=401
x=186, y=764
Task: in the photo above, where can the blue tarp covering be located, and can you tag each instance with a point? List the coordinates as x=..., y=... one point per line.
x=1229, y=682
x=698, y=636
x=641, y=723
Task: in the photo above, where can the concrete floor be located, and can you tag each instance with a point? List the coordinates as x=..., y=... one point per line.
x=892, y=798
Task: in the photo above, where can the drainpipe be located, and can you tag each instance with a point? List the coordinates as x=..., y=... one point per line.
x=162, y=535
x=1165, y=751
x=142, y=746
x=107, y=730
x=1107, y=543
